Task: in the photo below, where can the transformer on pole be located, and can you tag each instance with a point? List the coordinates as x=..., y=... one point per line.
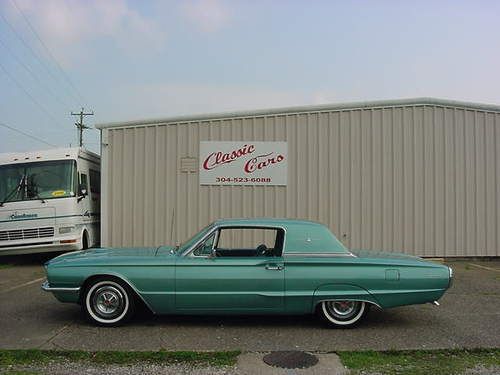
x=80, y=125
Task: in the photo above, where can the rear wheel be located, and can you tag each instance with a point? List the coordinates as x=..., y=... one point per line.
x=108, y=302
x=342, y=313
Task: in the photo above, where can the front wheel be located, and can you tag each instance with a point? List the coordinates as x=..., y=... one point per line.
x=108, y=302
x=342, y=313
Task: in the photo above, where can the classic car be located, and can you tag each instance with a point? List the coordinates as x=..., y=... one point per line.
x=297, y=267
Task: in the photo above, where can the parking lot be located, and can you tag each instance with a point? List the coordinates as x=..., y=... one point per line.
x=469, y=316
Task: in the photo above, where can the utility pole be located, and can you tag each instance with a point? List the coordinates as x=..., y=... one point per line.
x=80, y=126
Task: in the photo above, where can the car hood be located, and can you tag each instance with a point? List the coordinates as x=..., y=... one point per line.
x=110, y=253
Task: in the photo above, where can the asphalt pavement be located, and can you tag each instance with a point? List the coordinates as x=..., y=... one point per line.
x=469, y=316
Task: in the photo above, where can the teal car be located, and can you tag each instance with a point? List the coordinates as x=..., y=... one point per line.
x=245, y=266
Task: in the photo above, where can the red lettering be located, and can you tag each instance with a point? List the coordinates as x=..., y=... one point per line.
x=257, y=162
x=218, y=158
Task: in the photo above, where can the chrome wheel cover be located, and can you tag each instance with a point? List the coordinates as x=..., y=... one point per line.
x=342, y=309
x=107, y=302
x=343, y=312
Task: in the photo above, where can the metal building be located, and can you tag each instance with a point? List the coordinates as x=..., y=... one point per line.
x=420, y=176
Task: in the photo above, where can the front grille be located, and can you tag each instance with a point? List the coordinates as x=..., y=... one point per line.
x=25, y=234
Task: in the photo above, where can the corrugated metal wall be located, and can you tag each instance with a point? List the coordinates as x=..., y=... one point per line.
x=423, y=179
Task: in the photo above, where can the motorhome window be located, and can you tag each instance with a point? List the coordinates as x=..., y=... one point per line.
x=83, y=182
x=95, y=181
x=37, y=180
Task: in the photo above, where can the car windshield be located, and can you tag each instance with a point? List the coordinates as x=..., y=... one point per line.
x=198, y=236
x=38, y=180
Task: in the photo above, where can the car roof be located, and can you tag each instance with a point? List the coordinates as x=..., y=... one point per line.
x=264, y=221
x=303, y=236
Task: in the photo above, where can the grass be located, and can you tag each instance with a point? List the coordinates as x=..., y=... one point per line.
x=2, y=266
x=40, y=357
x=420, y=362
x=411, y=362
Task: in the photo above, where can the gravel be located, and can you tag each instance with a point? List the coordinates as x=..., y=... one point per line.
x=82, y=368
x=481, y=370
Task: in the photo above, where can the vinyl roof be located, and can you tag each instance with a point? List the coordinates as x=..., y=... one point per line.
x=264, y=221
x=310, y=108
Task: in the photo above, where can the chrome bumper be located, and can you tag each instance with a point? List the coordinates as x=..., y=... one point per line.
x=46, y=287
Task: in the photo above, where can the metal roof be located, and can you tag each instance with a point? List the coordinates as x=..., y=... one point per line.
x=302, y=109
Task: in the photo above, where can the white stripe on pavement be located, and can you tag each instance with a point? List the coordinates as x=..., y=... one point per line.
x=484, y=267
x=22, y=285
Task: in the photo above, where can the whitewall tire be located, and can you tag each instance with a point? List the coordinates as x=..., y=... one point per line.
x=108, y=302
x=342, y=313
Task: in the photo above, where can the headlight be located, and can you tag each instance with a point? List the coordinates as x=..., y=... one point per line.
x=64, y=230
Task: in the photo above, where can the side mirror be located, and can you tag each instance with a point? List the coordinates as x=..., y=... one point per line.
x=213, y=253
x=82, y=192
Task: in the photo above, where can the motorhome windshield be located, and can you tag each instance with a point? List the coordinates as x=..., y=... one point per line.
x=37, y=180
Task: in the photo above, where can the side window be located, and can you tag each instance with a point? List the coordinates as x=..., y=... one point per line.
x=83, y=181
x=95, y=181
x=247, y=242
x=205, y=248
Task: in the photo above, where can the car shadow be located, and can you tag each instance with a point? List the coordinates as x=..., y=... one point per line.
x=28, y=259
x=375, y=318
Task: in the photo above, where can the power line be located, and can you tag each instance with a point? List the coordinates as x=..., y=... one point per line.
x=35, y=77
x=68, y=79
x=40, y=61
x=26, y=134
x=18, y=84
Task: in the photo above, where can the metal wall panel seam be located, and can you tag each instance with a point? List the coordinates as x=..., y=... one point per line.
x=105, y=184
x=496, y=124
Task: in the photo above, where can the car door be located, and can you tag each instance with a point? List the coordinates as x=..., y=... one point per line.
x=234, y=282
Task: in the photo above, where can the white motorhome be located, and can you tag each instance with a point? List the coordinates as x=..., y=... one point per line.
x=49, y=201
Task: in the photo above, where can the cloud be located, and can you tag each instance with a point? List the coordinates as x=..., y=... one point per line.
x=63, y=25
x=165, y=100
x=323, y=97
x=206, y=15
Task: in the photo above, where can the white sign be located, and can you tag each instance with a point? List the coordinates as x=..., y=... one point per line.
x=243, y=163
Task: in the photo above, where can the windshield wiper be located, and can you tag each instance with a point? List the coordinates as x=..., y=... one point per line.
x=32, y=189
x=17, y=189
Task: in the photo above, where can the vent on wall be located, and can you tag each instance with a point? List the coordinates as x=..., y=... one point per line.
x=189, y=164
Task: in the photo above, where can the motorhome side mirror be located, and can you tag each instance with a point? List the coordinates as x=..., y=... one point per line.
x=82, y=192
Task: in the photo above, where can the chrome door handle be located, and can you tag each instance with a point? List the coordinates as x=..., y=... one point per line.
x=274, y=268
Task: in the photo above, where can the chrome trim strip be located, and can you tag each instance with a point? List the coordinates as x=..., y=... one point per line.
x=349, y=299
x=46, y=287
x=450, y=277
x=326, y=255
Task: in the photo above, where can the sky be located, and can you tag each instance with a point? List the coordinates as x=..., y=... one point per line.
x=127, y=60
